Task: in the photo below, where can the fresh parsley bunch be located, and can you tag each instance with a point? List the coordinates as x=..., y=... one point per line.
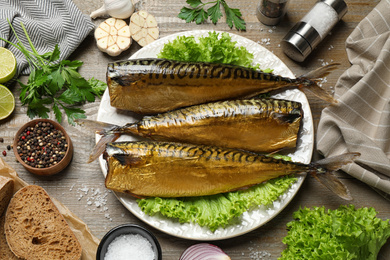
x=55, y=83
x=198, y=14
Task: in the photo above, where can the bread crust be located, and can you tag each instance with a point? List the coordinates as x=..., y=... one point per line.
x=6, y=191
x=35, y=229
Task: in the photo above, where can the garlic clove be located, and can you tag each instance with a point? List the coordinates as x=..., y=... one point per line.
x=113, y=50
x=124, y=31
x=119, y=23
x=111, y=22
x=143, y=14
x=102, y=43
x=100, y=33
x=105, y=27
x=151, y=21
x=123, y=42
x=113, y=31
x=153, y=32
x=113, y=36
x=143, y=28
x=134, y=28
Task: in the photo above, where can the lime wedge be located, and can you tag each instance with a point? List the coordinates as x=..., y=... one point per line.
x=7, y=65
x=7, y=102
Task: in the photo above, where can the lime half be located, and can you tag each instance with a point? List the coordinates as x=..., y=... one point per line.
x=7, y=102
x=7, y=65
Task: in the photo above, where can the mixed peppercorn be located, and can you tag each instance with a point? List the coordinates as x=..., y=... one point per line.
x=42, y=145
x=8, y=147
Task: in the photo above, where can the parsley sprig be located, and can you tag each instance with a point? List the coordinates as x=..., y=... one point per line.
x=197, y=13
x=55, y=83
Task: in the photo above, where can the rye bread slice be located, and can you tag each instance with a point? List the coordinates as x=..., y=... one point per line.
x=6, y=191
x=35, y=229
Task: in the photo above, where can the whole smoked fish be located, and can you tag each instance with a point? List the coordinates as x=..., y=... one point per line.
x=257, y=125
x=151, y=86
x=163, y=169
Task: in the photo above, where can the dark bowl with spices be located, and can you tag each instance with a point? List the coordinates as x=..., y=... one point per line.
x=43, y=147
x=130, y=240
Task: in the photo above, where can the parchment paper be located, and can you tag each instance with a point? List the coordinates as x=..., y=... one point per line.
x=88, y=241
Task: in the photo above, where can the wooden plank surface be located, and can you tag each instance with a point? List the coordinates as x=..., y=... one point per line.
x=81, y=186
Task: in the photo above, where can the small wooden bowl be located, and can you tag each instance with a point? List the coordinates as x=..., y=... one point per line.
x=48, y=170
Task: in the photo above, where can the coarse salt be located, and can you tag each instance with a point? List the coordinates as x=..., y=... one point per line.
x=129, y=246
x=322, y=17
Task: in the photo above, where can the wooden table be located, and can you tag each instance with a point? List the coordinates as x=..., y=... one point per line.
x=81, y=186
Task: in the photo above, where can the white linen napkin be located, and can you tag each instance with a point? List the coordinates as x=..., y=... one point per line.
x=361, y=120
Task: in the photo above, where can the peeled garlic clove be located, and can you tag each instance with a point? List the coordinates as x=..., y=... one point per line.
x=143, y=28
x=113, y=36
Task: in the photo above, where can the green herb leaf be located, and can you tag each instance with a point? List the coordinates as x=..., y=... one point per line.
x=52, y=55
x=215, y=13
x=234, y=16
x=73, y=113
x=69, y=97
x=200, y=16
x=56, y=83
x=194, y=3
x=187, y=14
x=98, y=86
x=196, y=13
x=57, y=112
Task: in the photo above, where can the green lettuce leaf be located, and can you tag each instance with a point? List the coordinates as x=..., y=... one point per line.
x=344, y=233
x=218, y=210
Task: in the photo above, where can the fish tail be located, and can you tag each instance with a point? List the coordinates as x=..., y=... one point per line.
x=101, y=146
x=98, y=127
x=109, y=133
x=310, y=82
x=324, y=169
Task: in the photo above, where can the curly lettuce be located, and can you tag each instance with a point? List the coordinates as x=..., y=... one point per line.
x=214, y=48
x=218, y=210
x=344, y=233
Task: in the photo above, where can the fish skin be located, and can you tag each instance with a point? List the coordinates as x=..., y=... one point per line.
x=152, y=86
x=258, y=125
x=164, y=169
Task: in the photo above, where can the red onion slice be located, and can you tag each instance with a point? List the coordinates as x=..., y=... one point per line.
x=204, y=251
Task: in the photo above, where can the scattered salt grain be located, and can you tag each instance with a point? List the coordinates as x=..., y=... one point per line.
x=129, y=246
x=259, y=255
x=264, y=41
x=107, y=216
x=256, y=254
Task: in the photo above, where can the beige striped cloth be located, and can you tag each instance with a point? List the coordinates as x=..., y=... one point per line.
x=361, y=120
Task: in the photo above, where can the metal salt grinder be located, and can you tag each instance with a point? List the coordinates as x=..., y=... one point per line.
x=304, y=37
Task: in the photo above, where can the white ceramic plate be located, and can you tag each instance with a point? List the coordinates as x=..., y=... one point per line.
x=249, y=220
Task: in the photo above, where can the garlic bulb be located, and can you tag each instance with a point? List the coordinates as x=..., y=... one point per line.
x=113, y=36
x=121, y=9
x=143, y=28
